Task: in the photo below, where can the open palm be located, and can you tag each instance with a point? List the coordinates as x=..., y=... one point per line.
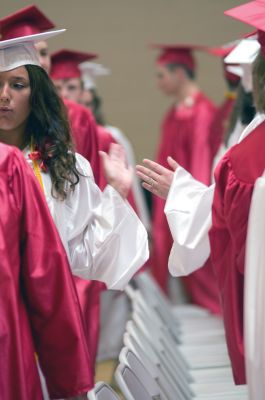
x=116, y=170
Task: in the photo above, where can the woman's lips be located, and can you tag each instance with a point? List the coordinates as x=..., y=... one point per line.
x=5, y=110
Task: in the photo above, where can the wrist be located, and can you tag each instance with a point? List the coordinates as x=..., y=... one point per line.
x=121, y=189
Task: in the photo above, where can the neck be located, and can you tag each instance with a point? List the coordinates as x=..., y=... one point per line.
x=14, y=137
x=189, y=89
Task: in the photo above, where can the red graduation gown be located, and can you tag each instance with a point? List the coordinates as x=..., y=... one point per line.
x=39, y=307
x=185, y=136
x=84, y=130
x=235, y=178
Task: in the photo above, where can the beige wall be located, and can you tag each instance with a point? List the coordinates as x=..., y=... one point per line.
x=120, y=30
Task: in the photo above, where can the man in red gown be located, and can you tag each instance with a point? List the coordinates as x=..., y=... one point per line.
x=38, y=302
x=185, y=135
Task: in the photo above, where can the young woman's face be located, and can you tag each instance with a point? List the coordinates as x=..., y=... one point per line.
x=14, y=99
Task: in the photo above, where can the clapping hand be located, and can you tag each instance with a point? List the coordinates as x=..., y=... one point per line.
x=156, y=178
x=116, y=170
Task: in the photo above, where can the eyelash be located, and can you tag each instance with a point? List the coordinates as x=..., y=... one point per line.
x=18, y=86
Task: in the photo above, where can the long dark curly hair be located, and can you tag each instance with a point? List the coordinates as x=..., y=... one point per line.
x=49, y=129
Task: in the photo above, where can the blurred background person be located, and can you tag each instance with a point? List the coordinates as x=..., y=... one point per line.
x=185, y=136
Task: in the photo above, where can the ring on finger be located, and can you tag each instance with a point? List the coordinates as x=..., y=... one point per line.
x=151, y=182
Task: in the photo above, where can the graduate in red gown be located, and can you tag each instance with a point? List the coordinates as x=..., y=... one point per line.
x=235, y=178
x=28, y=21
x=39, y=306
x=185, y=136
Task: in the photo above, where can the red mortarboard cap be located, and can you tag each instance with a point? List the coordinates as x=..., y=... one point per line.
x=27, y=21
x=177, y=54
x=252, y=13
x=65, y=63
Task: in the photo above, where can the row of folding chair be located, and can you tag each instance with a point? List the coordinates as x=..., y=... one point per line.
x=173, y=353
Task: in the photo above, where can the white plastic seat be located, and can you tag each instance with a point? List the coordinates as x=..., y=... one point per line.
x=222, y=388
x=128, y=358
x=130, y=385
x=212, y=375
x=167, y=382
x=155, y=370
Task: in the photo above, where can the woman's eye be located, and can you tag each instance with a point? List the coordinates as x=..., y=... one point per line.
x=18, y=85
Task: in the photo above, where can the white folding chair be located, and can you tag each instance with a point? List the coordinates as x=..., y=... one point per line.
x=130, y=385
x=222, y=389
x=165, y=382
x=188, y=342
x=127, y=357
x=103, y=391
x=167, y=392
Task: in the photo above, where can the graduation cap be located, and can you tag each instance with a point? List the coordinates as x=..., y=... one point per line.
x=252, y=13
x=27, y=21
x=65, y=63
x=244, y=53
x=21, y=50
x=177, y=54
x=90, y=71
x=221, y=52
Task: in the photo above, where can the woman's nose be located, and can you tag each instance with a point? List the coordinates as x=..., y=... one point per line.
x=4, y=94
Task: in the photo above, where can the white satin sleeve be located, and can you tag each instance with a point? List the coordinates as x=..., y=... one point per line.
x=188, y=211
x=106, y=240
x=254, y=297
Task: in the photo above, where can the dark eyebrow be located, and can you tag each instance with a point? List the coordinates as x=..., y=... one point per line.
x=19, y=78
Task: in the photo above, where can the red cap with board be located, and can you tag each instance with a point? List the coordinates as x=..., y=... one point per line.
x=65, y=63
x=27, y=21
x=177, y=54
x=252, y=13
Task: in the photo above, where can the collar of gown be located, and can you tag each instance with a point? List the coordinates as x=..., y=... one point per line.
x=259, y=118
